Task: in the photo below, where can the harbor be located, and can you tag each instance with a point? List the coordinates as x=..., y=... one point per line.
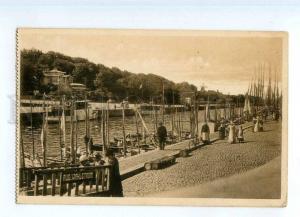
x=91, y=130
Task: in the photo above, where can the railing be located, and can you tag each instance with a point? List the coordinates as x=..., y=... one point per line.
x=62, y=181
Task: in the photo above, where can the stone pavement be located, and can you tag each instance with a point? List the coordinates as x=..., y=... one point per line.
x=135, y=164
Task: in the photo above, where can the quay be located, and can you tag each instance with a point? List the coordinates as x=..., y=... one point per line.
x=210, y=167
x=136, y=164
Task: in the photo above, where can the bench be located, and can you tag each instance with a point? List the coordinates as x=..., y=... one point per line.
x=160, y=163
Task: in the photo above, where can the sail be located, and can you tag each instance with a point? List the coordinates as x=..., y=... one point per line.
x=247, y=105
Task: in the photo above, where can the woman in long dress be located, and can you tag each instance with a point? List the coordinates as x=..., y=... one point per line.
x=205, y=133
x=232, y=133
x=255, y=122
x=240, y=134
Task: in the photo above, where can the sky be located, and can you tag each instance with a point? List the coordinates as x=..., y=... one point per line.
x=224, y=61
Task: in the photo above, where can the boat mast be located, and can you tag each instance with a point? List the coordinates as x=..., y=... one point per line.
x=86, y=125
x=44, y=133
x=123, y=128
x=107, y=124
x=72, y=132
x=163, y=103
x=32, y=134
x=137, y=129
x=103, y=118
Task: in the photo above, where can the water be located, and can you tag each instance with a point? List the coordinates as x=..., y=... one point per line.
x=53, y=146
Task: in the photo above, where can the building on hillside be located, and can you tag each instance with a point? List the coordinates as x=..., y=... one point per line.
x=78, y=88
x=56, y=77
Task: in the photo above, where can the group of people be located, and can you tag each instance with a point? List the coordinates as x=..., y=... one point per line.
x=230, y=130
x=96, y=159
x=258, y=123
x=234, y=132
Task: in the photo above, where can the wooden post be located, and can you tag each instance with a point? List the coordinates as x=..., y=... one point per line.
x=76, y=188
x=22, y=157
x=163, y=103
x=86, y=125
x=107, y=171
x=76, y=130
x=196, y=115
x=137, y=130
x=155, y=114
x=32, y=134
x=53, y=182
x=44, y=142
x=36, y=185
x=191, y=122
x=70, y=186
x=107, y=125
x=97, y=180
x=72, y=132
x=103, y=131
x=102, y=175
x=61, y=183
x=44, y=185
x=180, y=126
x=172, y=115
x=123, y=128
x=59, y=132
x=176, y=120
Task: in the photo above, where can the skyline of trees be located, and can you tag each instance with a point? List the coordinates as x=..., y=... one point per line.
x=104, y=82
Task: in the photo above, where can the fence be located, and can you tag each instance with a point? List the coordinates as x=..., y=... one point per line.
x=62, y=181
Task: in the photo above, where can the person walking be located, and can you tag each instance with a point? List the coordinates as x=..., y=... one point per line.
x=162, y=135
x=222, y=131
x=115, y=182
x=205, y=134
x=232, y=133
x=240, y=134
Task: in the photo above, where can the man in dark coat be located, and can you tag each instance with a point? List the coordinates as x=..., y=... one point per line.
x=116, y=188
x=162, y=135
x=222, y=131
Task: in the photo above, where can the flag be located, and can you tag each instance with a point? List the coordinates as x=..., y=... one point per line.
x=141, y=86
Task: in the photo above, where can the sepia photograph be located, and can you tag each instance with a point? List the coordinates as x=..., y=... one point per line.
x=151, y=117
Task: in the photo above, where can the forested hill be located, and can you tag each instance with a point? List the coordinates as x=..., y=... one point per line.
x=101, y=80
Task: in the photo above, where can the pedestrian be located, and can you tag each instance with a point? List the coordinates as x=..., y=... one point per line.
x=115, y=182
x=232, y=133
x=222, y=131
x=205, y=134
x=255, y=124
x=240, y=134
x=260, y=124
x=162, y=135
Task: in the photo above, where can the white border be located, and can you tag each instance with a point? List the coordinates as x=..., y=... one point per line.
x=279, y=16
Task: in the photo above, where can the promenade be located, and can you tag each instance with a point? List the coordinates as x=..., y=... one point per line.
x=210, y=163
